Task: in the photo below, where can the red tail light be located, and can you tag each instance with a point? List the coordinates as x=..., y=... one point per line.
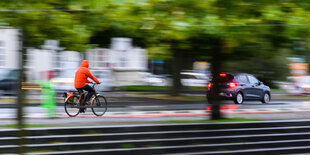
x=209, y=85
x=223, y=75
x=232, y=84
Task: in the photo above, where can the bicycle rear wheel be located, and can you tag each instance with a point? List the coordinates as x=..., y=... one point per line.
x=71, y=106
x=99, y=105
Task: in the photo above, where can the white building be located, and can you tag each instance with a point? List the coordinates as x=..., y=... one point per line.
x=45, y=63
x=9, y=48
x=127, y=57
x=123, y=59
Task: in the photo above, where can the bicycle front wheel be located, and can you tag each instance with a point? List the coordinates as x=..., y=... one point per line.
x=99, y=105
x=71, y=106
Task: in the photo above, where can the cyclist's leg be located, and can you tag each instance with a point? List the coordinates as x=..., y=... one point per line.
x=90, y=93
x=80, y=90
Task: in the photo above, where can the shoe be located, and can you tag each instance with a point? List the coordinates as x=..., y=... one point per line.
x=86, y=103
x=82, y=110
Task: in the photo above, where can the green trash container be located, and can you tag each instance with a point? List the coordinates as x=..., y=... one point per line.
x=48, y=98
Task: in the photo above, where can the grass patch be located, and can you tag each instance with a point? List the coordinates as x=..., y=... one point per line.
x=127, y=146
x=210, y=121
x=196, y=88
x=27, y=125
x=91, y=132
x=41, y=151
x=179, y=98
x=289, y=97
x=153, y=145
x=184, y=121
x=146, y=87
x=277, y=90
x=233, y=120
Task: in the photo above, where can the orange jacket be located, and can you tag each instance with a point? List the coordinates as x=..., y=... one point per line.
x=82, y=74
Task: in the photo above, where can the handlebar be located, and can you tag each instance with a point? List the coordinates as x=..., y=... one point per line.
x=94, y=84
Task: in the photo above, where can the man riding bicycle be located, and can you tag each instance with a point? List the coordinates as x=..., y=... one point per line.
x=80, y=82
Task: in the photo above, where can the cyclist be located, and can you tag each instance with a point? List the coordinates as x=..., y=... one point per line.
x=80, y=82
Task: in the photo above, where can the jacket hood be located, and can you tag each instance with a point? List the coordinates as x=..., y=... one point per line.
x=85, y=63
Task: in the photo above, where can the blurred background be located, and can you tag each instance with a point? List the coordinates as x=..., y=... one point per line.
x=154, y=59
x=153, y=45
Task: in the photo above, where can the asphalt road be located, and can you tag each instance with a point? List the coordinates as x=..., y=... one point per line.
x=157, y=113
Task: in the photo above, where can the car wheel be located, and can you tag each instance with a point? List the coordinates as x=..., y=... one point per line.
x=266, y=98
x=239, y=98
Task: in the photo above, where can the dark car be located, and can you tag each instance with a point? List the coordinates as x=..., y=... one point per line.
x=239, y=87
x=8, y=81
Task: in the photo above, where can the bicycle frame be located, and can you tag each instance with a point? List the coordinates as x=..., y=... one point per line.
x=80, y=95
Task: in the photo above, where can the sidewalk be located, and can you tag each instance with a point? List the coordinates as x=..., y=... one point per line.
x=135, y=98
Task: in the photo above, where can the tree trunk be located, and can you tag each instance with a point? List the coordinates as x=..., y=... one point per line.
x=176, y=69
x=216, y=69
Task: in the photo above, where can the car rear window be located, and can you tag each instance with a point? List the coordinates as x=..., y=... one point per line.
x=226, y=78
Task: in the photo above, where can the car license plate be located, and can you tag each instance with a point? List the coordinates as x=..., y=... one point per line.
x=222, y=94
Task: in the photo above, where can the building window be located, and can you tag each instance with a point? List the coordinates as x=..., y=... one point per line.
x=59, y=60
x=2, y=54
x=123, y=59
x=29, y=59
x=100, y=59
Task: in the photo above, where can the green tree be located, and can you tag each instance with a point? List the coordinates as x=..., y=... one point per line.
x=218, y=30
x=44, y=20
x=243, y=36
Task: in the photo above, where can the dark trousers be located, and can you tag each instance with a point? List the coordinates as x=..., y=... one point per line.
x=90, y=93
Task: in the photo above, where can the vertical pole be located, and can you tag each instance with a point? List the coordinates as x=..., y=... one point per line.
x=20, y=97
x=176, y=69
x=217, y=60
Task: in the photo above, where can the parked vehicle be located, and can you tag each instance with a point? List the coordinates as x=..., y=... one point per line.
x=153, y=80
x=297, y=85
x=8, y=81
x=105, y=78
x=239, y=87
x=65, y=81
x=194, y=79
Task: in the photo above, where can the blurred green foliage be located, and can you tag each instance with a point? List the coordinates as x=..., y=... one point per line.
x=256, y=36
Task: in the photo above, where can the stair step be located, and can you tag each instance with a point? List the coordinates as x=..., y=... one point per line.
x=181, y=150
x=193, y=142
x=192, y=138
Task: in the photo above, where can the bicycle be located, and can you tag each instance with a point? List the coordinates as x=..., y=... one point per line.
x=98, y=103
